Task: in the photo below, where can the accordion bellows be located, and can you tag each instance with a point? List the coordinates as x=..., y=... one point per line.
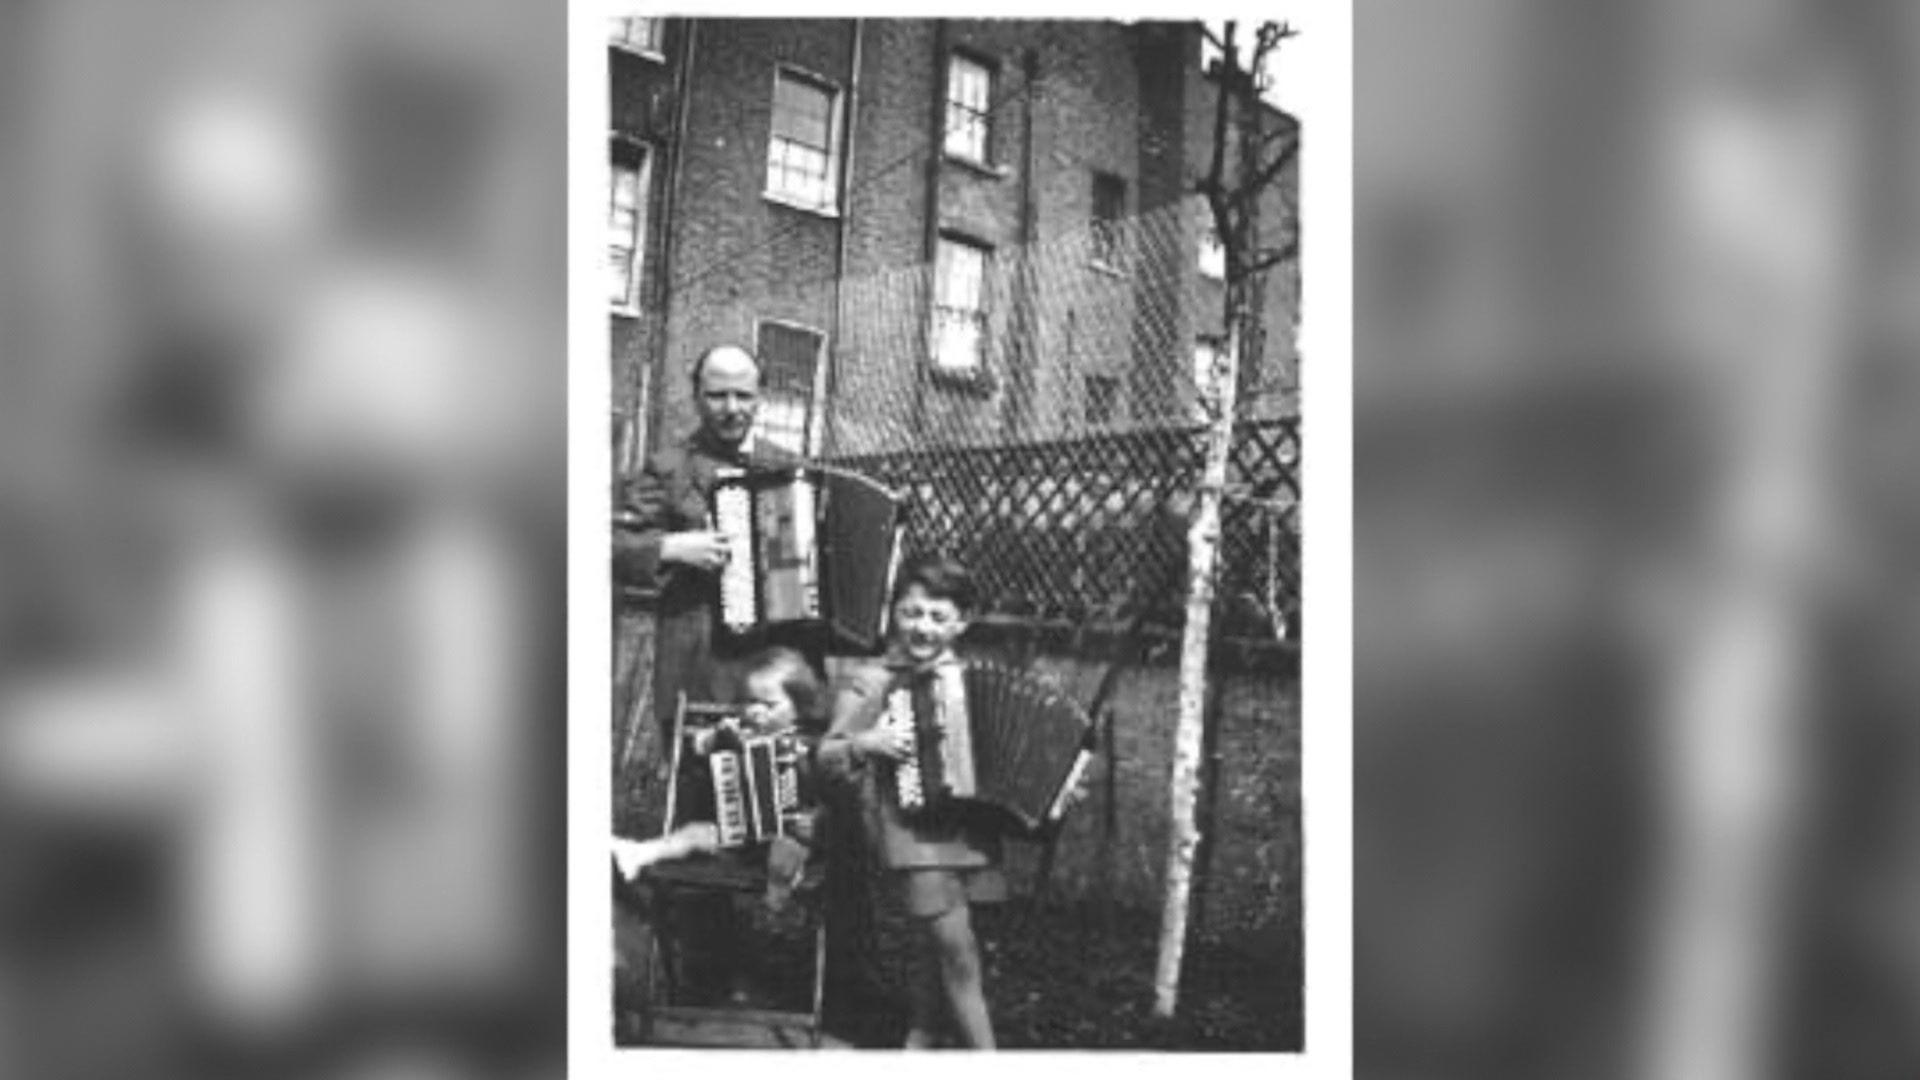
x=990, y=738
x=811, y=545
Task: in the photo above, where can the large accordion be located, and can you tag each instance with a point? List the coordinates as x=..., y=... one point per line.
x=756, y=788
x=811, y=545
x=989, y=740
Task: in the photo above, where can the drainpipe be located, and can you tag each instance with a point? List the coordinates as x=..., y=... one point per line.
x=923, y=362
x=663, y=280
x=1026, y=379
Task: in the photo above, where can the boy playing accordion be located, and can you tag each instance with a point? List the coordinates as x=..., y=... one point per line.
x=938, y=864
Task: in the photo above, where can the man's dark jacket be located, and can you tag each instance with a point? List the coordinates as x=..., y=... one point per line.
x=671, y=495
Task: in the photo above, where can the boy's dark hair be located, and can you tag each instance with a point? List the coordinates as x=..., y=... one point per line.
x=797, y=678
x=941, y=577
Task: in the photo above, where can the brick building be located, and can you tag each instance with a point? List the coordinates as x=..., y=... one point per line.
x=864, y=203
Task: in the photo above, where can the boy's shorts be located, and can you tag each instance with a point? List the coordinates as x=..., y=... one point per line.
x=930, y=892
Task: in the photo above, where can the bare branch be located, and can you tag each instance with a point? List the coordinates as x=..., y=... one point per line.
x=1207, y=32
x=1273, y=258
x=1269, y=37
x=1265, y=176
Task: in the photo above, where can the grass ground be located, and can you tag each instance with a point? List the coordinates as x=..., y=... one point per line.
x=1078, y=977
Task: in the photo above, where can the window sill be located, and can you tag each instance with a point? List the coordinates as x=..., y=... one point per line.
x=624, y=311
x=791, y=203
x=644, y=54
x=979, y=168
x=977, y=382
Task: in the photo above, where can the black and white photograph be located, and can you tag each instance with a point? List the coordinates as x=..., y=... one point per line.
x=953, y=401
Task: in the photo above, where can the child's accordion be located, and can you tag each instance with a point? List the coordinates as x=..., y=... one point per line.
x=756, y=789
x=989, y=738
x=810, y=545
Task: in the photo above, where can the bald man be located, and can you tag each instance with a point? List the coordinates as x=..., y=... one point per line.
x=665, y=542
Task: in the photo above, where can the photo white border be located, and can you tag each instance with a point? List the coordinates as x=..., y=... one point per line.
x=1323, y=56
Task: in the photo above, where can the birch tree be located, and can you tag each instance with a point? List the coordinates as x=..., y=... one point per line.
x=1261, y=153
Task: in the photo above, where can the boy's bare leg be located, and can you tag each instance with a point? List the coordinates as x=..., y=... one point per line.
x=959, y=957
x=926, y=997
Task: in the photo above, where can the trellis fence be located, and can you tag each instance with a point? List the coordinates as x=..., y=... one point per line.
x=1054, y=441
x=1091, y=529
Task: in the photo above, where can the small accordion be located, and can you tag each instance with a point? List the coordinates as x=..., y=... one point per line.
x=811, y=545
x=988, y=738
x=756, y=789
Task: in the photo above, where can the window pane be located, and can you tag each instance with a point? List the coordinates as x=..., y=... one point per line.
x=626, y=229
x=968, y=83
x=801, y=112
x=626, y=187
x=956, y=340
x=961, y=275
x=969, y=90
x=966, y=134
x=643, y=34
x=619, y=276
x=789, y=356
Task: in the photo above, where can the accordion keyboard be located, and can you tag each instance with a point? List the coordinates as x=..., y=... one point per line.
x=733, y=518
x=729, y=810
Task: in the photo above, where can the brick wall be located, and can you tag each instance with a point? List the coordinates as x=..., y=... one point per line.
x=1124, y=100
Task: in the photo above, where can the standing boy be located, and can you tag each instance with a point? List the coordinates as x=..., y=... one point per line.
x=939, y=865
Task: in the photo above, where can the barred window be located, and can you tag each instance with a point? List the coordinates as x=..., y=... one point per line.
x=627, y=226
x=801, y=165
x=969, y=108
x=789, y=358
x=960, y=306
x=639, y=35
x=1109, y=207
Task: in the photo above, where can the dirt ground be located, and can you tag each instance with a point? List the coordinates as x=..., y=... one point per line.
x=1067, y=977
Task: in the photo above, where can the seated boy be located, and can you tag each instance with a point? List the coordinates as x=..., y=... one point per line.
x=780, y=695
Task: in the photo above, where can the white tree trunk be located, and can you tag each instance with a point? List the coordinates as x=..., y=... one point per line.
x=1203, y=549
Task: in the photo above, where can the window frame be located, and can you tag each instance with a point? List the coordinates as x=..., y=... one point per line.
x=658, y=49
x=938, y=313
x=619, y=147
x=812, y=423
x=982, y=116
x=835, y=133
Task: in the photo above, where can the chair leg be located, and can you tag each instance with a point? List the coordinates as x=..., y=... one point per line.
x=650, y=986
x=819, y=977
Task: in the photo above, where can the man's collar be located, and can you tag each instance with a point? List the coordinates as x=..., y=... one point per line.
x=738, y=455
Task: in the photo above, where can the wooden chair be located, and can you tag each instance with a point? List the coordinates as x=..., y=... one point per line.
x=718, y=879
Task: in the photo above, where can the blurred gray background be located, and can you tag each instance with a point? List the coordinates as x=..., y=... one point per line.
x=281, y=436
